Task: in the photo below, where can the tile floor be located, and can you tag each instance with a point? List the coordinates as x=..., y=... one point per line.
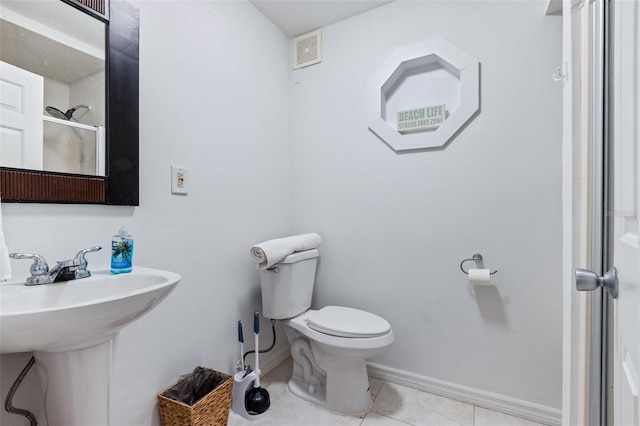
x=393, y=405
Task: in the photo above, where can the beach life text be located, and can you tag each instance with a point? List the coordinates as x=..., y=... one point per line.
x=424, y=118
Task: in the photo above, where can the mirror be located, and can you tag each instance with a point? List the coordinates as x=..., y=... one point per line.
x=82, y=120
x=63, y=87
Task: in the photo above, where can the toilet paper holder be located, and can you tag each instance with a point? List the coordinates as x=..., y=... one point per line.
x=476, y=258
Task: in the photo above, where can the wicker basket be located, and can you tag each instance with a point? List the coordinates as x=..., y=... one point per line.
x=211, y=410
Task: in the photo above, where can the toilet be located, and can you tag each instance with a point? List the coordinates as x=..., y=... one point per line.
x=329, y=346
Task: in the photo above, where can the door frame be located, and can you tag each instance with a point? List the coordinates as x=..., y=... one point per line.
x=587, y=228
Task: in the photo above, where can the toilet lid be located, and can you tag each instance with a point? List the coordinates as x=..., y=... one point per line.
x=347, y=322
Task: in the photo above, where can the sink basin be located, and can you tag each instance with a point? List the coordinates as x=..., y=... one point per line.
x=69, y=327
x=78, y=314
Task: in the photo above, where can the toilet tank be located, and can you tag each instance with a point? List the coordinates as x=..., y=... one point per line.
x=287, y=292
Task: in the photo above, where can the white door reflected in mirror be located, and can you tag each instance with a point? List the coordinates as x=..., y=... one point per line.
x=21, y=98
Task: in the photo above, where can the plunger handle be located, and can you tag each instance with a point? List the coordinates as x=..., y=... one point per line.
x=256, y=331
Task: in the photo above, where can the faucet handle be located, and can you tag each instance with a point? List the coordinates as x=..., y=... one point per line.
x=82, y=262
x=39, y=266
x=81, y=253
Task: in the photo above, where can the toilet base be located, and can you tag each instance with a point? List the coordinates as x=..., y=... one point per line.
x=298, y=388
x=336, y=382
x=347, y=382
x=357, y=403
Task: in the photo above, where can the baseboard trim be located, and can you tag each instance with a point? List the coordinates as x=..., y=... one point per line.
x=501, y=403
x=277, y=357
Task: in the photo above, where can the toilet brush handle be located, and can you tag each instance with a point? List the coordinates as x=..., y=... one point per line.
x=241, y=340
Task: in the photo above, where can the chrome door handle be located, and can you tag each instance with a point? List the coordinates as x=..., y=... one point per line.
x=589, y=281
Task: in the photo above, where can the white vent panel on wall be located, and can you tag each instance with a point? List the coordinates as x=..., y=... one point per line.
x=307, y=49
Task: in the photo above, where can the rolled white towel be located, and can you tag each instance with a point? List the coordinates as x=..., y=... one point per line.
x=270, y=252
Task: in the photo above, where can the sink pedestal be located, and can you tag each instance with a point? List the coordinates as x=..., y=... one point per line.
x=75, y=385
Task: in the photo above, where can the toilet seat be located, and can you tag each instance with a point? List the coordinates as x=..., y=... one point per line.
x=341, y=321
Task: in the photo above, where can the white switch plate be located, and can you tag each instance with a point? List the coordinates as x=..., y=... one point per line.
x=179, y=180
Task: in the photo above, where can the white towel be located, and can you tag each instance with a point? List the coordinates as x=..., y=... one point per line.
x=270, y=252
x=5, y=266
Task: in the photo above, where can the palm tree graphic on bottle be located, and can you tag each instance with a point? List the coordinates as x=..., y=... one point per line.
x=121, y=252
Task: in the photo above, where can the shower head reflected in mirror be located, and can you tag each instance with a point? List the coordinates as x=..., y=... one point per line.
x=55, y=112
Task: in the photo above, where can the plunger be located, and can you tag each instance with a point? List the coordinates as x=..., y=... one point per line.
x=256, y=400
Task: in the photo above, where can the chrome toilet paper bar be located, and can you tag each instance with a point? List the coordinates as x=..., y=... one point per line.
x=476, y=258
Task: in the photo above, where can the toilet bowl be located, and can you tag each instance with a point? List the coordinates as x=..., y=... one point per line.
x=329, y=346
x=339, y=361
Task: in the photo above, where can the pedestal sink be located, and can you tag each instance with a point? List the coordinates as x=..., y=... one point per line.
x=69, y=327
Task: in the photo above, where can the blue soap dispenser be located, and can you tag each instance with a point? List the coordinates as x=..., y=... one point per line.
x=122, y=252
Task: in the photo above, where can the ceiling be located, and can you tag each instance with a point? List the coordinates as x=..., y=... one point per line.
x=51, y=39
x=296, y=17
x=45, y=33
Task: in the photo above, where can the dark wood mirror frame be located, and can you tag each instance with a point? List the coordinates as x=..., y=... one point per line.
x=120, y=186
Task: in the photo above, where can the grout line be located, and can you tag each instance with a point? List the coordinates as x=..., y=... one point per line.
x=373, y=401
x=392, y=418
x=384, y=382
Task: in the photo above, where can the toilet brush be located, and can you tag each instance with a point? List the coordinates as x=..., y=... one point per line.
x=241, y=340
x=257, y=400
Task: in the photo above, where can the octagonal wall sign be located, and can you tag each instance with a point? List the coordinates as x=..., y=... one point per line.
x=430, y=76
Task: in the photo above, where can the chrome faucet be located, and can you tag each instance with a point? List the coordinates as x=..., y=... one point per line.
x=65, y=270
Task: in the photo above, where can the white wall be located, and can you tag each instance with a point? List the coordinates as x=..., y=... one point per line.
x=56, y=94
x=89, y=91
x=214, y=98
x=395, y=227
